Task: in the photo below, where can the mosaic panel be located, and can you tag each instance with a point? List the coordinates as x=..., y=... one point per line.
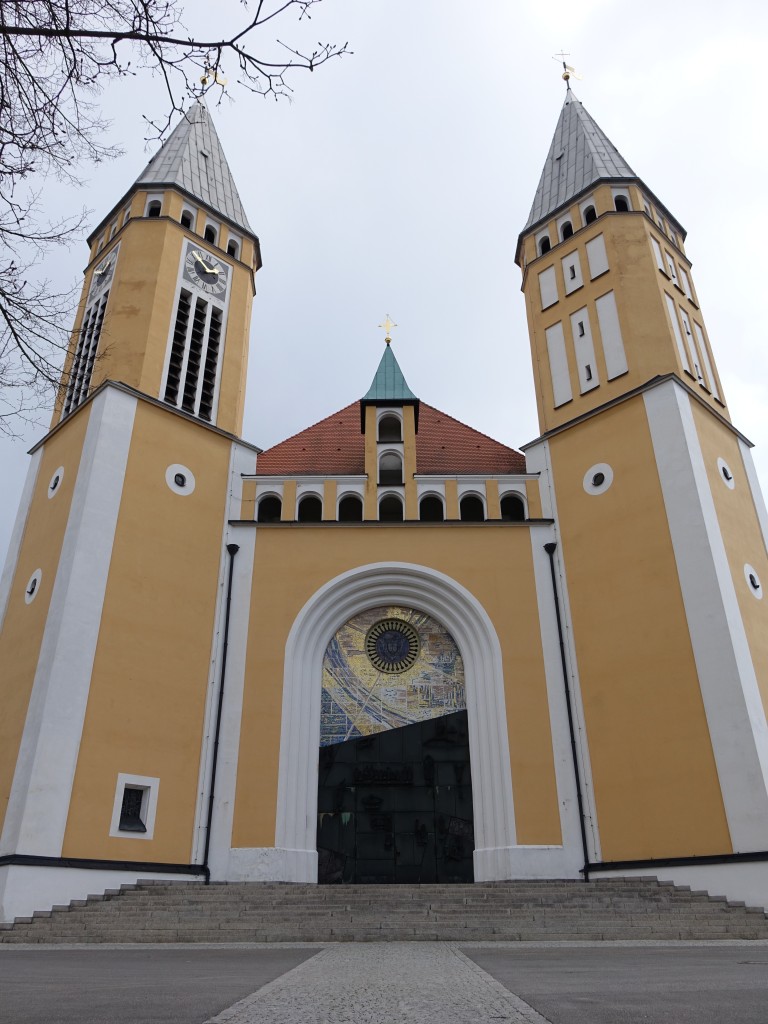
x=359, y=699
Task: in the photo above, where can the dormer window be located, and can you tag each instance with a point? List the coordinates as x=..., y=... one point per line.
x=391, y=469
x=390, y=430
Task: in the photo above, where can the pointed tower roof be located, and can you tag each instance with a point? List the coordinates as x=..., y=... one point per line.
x=389, y=383
x=581, y=154
x=192, y=160
x=389, y=387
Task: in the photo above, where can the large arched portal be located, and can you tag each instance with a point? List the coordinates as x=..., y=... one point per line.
x=445, y=600
x=394, y=785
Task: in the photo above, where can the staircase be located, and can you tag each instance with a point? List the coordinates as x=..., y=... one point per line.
x=619, y=908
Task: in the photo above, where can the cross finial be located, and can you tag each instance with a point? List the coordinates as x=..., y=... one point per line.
x=388, y=325
x=568, y=71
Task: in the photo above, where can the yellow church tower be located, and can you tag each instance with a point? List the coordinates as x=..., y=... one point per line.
x=114, y=579
x=661, y=528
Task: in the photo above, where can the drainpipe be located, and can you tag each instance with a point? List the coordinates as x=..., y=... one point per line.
x=550, y=549
x=232, y=550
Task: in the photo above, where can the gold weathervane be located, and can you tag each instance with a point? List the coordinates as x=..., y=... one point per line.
x=388, y=325
x=568, y=71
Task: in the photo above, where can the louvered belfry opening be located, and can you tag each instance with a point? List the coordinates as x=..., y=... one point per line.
x=85, y=354
x=193, y=364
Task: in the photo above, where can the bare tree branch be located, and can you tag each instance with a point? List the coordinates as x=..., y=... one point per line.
x=56, y=56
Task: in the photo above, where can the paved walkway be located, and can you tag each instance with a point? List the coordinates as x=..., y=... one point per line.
x=387, y=983
x=383, y=983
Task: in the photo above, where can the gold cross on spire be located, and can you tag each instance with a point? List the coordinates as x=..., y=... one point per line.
x=388, y=325
x=568, y=71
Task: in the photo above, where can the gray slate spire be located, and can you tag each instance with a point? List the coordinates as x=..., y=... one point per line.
x=192, y=160
x=580, y=155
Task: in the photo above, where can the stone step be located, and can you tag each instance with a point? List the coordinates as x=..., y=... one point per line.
x=281, y=912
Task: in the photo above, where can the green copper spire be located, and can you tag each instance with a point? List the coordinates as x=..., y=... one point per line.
x=389, y=383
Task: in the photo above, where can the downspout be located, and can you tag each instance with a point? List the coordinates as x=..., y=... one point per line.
x=550, y=549
x=232, y=550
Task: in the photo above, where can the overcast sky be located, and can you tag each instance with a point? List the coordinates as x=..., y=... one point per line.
x=399, y=177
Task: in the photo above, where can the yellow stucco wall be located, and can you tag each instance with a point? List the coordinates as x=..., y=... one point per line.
x=740, y=528
x=494, y=564
x=151, y=670
x=655, y=778
x=24, y=624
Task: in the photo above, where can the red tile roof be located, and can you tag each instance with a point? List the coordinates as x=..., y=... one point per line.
x=336, y=447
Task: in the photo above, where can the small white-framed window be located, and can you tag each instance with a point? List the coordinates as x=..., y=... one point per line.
x=310, y=508
x=100, y=244
x=431, y=508
x=188, y=217
x=692, y=347
x=543, y=242
x=622, y=202
x=391, y=469
x=391, y=508
x=572, y=272
x=153, y=206
x=212, y=230
x=234, y=245
x=389, y=429
x=113, y=230
x=269, y=509
x=671, y=268
x=588, y=210
x=564, y=227
x=512, y=505
x=350, y=508
x=472, y=508
x=135, y=806
x=597, y=258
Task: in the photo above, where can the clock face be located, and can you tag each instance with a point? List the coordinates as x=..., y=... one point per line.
x=205, y=271
x=104, y=272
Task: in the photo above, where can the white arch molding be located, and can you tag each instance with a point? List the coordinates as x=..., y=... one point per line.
x=455, y=607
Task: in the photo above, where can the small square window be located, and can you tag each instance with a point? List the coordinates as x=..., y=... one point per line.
x=132, y=810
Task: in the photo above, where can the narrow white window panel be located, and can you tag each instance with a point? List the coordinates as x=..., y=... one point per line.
x=692, y=348
x=686, y=282
x=704, y=349
x=671, y=267
x=548, y=287
x=558, y=365
x=657, y=254
x=596, y=257
x=676, y=330
x=610, y=332
x=572, y=272
x=585, y=350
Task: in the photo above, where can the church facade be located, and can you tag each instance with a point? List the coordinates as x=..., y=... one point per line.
x=389, y=648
